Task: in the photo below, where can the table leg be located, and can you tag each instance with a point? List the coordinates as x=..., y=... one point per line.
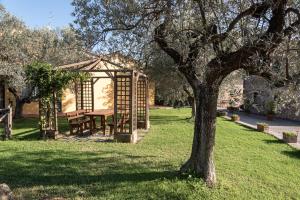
x=91, y=125
x=103, y=124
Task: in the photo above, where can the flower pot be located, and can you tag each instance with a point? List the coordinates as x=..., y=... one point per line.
x=263, y=127
x=221, y=113
x=290, y=138
x=235, y=118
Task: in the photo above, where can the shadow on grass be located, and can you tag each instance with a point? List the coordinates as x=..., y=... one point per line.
x=274, y=141
x=27, y=128
x=28, y=135
x=292, y=154
x=101, y=172
x=157, y=120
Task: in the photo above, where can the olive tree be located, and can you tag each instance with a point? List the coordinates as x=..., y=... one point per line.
x=20, y=46
x=207, y=40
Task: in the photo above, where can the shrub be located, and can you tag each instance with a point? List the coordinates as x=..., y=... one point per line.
x=290, y=137
x=235, y=117
x=221, y=113
x=271, y=108
x=290, y=134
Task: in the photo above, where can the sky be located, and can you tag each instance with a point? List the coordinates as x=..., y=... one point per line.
x=41, y=13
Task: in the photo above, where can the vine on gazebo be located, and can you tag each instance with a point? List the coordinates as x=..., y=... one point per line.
x=49, y=83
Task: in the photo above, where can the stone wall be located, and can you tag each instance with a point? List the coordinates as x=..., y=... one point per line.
x=258, y=93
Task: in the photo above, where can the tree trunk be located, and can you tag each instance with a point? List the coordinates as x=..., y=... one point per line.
x=193, y=105
x=191, y=101
x=19, y=108
x=201, y=161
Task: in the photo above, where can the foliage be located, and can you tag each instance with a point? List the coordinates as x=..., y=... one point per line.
x=290, y=134
x=47, y=79
x=20, y=46
x=235, y=117
x=221, y=113
x=247, y=105
x=148, y=170
x=170, y=86
x=271, y=108
x=263, y=124
x=47, y=82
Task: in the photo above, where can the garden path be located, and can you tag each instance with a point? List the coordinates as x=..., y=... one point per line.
x=276, y=126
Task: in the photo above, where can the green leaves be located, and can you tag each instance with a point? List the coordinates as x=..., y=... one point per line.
x=47, y=79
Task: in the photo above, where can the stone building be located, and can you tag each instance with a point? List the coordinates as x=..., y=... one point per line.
x=258, y=93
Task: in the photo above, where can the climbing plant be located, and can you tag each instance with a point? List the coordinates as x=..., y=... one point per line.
x=49, y=82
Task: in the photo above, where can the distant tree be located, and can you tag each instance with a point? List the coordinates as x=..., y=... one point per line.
x=171, y=86
x=20, y=46
x=207, y=40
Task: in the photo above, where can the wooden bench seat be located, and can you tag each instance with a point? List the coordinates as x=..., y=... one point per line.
x=77, y=120
x=120, y=124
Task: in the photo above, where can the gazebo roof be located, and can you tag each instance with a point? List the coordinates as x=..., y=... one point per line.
x=99, y=64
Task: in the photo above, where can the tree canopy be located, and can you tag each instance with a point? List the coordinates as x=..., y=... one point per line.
x=20, y=46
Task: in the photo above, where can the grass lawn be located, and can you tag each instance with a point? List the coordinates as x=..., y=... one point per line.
x=250, y=165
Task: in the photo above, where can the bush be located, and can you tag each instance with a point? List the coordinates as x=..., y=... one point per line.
x=290, y=134
x=235, y=117
x=263, y=124
x=290, y=137
x=271, y=108
x=221, y=113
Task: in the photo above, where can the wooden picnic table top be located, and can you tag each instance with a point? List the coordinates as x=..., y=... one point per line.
x=100, y=112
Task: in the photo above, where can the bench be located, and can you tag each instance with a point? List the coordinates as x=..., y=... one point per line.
x=120, y=124
x=77, y=120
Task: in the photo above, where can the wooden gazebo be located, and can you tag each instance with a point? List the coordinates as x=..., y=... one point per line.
x=130, y=94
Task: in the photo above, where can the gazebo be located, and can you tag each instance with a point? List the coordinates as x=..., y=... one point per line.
x=130, y=94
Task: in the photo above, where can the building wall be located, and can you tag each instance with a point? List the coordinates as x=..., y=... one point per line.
x=231, y=91
x=259, y=93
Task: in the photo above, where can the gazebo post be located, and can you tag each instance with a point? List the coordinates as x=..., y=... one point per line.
x=147, y=105
x=55, y=116
x=115, y=118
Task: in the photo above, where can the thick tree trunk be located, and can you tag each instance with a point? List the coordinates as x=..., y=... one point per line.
x=201, y=161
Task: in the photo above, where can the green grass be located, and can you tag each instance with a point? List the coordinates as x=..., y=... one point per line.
x=250, y=165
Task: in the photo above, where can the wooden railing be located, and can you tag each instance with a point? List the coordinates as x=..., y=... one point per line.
x=6, y=119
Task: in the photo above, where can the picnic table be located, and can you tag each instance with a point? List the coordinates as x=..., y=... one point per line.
x=103, y=114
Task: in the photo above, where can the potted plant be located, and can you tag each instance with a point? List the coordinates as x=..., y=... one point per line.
x=290, y=137
x=221, y=113
x=262, y=127
x=270, y=110
x=235, y=117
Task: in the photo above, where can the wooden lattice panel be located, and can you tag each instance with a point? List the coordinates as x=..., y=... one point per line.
x=85, y=96
x=134, y=102
x=142, y=103
x=123, y=86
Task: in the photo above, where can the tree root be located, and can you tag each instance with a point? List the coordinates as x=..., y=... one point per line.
x=187, y=167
